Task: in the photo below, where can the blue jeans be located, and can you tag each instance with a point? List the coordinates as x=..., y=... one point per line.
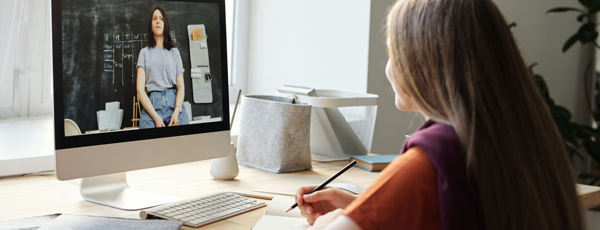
x=163, y=103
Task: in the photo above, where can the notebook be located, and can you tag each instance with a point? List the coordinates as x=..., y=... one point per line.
x=373, y=163
x=276, y=218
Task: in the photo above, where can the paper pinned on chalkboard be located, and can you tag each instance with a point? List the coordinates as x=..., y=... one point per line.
x=198, y=34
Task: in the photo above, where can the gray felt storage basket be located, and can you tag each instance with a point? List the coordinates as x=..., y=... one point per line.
x=274, y=134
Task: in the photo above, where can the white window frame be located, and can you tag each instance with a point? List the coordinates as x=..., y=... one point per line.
x=238, y=60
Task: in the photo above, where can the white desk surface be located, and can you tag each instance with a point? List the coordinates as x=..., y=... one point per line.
x=40, y=195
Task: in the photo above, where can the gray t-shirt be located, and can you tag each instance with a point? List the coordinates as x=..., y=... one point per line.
x=162, y=67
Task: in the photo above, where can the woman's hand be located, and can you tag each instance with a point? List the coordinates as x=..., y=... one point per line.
x=175, y=116
x=321, y=202
x=158, y=121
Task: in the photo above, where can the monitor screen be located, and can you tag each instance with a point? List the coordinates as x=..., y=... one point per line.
x=138, y=69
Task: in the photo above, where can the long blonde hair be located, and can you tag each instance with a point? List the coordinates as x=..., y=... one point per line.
x=460, y=65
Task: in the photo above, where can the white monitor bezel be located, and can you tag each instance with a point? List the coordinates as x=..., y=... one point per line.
x=105, y=153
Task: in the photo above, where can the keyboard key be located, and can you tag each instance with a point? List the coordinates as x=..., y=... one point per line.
x=187, y=218
x=178, y=217
x=225, y=212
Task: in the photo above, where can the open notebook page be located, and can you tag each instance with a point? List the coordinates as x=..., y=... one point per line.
x=276, y=218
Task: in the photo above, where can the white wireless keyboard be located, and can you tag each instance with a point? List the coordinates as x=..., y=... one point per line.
x=203, y=210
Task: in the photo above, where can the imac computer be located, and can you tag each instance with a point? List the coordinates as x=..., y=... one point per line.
x=137, y=84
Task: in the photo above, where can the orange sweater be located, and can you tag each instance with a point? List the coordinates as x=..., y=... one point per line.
x=404, y=196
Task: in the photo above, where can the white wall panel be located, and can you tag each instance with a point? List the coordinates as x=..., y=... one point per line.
x=322, y=44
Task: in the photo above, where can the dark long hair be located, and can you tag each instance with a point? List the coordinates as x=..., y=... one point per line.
x=460, y=65
x=167, y=41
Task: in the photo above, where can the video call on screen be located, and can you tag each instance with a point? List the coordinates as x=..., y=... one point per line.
x=101, y=46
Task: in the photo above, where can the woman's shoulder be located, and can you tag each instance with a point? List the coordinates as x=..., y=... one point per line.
x=438, y=130
x=174, y=50
x=441, y=143
x=144, y=50
x=413, y=162
x=434, y=134
x=406, y=191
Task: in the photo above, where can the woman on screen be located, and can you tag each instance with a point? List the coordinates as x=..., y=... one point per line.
x=489, y=155
x=160, y=77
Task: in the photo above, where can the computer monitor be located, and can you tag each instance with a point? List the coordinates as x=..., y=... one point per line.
x=115, y=82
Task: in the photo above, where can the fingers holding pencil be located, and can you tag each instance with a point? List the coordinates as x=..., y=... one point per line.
x=299, y=198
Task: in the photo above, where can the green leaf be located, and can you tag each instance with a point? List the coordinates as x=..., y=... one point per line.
x=583, y=131
x=596, y=113
x=587, y=27
x=573, y=152
x=541, y=85
x=550, y=102
x=578, y=130
x=563, y=9
x=588, y=37
x=593, y=149
x=534, y=64
x=570, y=42
x=597, y=80
x=587, y=33
x=587, y=176
x=563, y=112
x=594, y=8
x=586, y=3
x=563, y=125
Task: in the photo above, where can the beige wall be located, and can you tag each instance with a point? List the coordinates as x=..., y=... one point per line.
x=540, y=38
x=391, y=124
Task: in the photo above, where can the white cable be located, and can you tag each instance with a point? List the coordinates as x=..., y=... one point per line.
x=9, y=43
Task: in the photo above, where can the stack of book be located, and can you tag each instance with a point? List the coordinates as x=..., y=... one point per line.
x=373, y=163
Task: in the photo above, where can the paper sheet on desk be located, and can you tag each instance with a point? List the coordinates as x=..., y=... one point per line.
x=276, y=218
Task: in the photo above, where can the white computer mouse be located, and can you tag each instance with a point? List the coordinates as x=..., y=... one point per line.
x=348, y=187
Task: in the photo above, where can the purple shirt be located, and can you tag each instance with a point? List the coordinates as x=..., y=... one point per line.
x=458, y=207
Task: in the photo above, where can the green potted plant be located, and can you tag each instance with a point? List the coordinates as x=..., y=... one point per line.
x=575, y=135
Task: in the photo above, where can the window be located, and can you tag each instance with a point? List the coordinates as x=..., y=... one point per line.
x=25, y=58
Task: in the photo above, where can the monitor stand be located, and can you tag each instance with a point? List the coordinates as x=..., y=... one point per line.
x=112, y=190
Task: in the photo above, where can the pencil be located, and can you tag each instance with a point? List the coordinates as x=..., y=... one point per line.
x=272, y=192
x=326, y=182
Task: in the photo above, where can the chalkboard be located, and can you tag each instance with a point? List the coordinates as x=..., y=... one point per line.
x=101, y=41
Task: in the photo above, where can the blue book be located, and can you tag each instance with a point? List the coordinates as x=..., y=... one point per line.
x=374, y=163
